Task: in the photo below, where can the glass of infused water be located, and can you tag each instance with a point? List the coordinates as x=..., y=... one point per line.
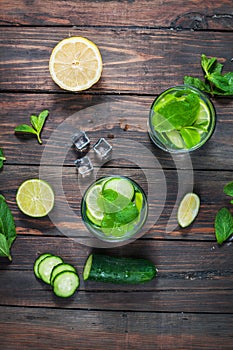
x=114, y=208
x=181, y=119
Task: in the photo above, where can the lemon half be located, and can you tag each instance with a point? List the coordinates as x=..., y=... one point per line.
x=75, y=64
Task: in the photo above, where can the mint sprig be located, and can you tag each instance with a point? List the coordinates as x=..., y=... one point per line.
x=7, y=229
x=215, y=83
x=2, y=158
x=224, y=220
x=228, y=190
x=223, y=225
x=37, y=123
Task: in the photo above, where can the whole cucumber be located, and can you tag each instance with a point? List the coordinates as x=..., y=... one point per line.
x=104, y=268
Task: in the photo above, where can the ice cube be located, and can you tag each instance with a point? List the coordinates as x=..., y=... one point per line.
x=81, y=141
x=84, y=166
x=102, y=149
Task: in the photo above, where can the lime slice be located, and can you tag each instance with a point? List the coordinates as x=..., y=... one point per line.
x=35, y=198
x=96, y=220
x=175, y=138
x=121, y=186
x=94, y=204
x=188, y=209
x=203, y=120
x=138, y=201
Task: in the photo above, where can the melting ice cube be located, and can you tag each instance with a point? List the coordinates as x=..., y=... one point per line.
x=80, y=140
x=102, y=149
x=84, y=166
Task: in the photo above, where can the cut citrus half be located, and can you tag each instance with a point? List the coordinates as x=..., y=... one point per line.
x=75, y=64
x=35, y=198
x=203, y=119
x=188, y=209
x=94, y=204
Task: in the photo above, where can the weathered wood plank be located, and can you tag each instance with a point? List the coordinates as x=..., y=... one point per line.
x=191, y=277
x=62, y=220
x=106, y=116
x=182, y=14
x=112, y=330
x=135, y=61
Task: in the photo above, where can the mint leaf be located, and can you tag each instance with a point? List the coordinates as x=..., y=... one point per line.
x=215, y=82
x=197, y=83
x=2, y=158
x=190, y=136
x=223, y=225
x=228, y=189
x=4, y=247
x=37, y=123
x=223, y=82
x=24, y=128
x=7, y=225
x=176, y=113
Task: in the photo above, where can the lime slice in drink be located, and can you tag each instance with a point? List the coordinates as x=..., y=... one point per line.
x=94, y=204
x=121, y=186
x=188, y=209
x=203, y=120
x=35, y=198
x=138, y=201
x=175, y=138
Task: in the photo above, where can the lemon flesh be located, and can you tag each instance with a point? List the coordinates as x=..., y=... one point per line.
x=75, y=64
x=188, y=209
x=35, y=198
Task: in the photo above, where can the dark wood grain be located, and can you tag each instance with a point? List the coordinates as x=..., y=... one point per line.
x=119, y=123
x=190, y=15
x=138, y=61
x=116, y=331
x=201, y=282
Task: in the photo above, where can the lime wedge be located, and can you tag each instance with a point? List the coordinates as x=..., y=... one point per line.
x=94, y=204
x=203, y=120
x=35, y=198
x=188, y=209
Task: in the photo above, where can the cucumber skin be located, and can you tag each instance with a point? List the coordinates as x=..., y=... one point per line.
x=121, y=270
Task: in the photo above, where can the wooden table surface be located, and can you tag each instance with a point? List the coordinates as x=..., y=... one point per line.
x=147, y=46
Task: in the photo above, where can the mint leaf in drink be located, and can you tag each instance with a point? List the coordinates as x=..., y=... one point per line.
x=228, y=189
x=190, y=136
x=7, y=228
x=2, y=158
x=126, y=215
x=223, y=225
x=37, y=123
x=176, y=113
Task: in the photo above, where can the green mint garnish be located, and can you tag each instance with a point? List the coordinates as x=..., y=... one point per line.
x=223, y=225
x=7, y=229
x=37, y=123
x=2, y=158
x=228, y=189
x=215, y=82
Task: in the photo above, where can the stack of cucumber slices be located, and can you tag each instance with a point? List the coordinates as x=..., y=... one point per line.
x=62, y=277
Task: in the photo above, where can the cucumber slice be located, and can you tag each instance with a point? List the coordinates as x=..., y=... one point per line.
x=65, y=284
x=60, y=268
x=46, y=266
x=105, y=268
x=37, y=262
